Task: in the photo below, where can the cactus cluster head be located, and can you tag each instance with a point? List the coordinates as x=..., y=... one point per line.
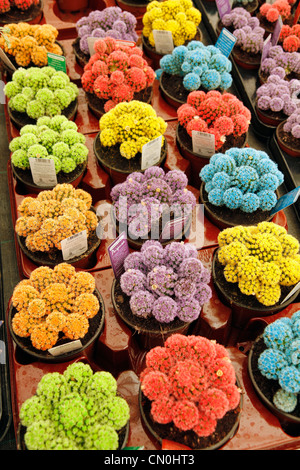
x=281, y=62
x=56, y=138
x=116, y=72
x=181, y=18
x=290, y=38
x=261, y=259
x=131, y=125
x=277, y=94
x=110, y=22
x=271, y=12
x=280, y=360
x=22, y=5
x=40, y=92
x=143, y=199
x=249, y=35
x=78, y=409
x=292, y=124
x=244, y=179
x=199, y=66
x=166, y=283
x=213, y=112
x=191, y=383
x=29, y=44
x=54, y=215
x=49, y=308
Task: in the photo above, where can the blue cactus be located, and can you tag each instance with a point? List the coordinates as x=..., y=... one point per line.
x=233, y=198
x=270, y=363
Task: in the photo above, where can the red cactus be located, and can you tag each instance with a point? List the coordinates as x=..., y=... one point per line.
x=109, y=105
x=296, y=30
x=196, y=124
x=100, y=47
x=272, y=15
x=195, y=98
x=185, y=113
x=136, y=60
x=117, y=60
x=87, y=81
x=117, y=77
x=272, y=12
x=161, y=410
x=224, y=125
x=285, y=32
x=205, y=426
x=150, y=75
x=122, y=93
x=291, y=43
x=159, y=358
x=136, y=79
x=23, y=4
x=222, y=373
x=99, y=68
x=241, y=124
x=4, y=6
x=232, y=394
x=102, y=87
x=185, y=415
x=214, y=402
x=219, y=139
x=156, y=385
x=187, y=380
x=212, y=108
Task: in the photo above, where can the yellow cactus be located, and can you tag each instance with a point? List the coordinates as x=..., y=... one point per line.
x=39, y=56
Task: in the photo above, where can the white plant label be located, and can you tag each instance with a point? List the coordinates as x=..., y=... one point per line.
x=91, y=41
x=43, y=171
x=6, y=60
x=65, y=348
x=203, y=143
x=74, y=246
x=151, y=153
x=163, y=41
x=292, y=292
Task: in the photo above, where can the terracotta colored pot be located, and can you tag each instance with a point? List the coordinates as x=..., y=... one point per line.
x=72, y=6
x=292, y=151
x=266, y=119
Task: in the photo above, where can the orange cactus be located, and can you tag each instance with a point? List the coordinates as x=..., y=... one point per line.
x=55, y=49
x=41, y=278
x=63, y=272
x=23, y=58
x=21, y=324
x=23, y=295
x=76, y=327
x=82, y=283
x=45, y=195
x=28, y=206
x=86, y=197
x=57, y=297
x=63, y=191
x=91, y=221
x=37, y=308
x=56, y=320
x=39, y=56
x=87, y=304
x=43, y=337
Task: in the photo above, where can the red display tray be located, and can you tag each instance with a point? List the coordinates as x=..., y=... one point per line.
x=117, y=351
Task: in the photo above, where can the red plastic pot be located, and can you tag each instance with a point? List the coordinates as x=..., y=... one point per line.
x=292, y=151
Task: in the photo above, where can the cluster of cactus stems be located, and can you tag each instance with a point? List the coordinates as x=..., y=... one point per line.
x=280, y=360
x=191, y=383
x=131, y=125
x=40, y=92
x=78, y=409
x=271, y=12
x=29, y=44
x=144, y=199
x=116, y=72
x=180, y=17
x=261, y=259
x=244, y=179
x=54, y=215
x=166, y=283
x=23, y=5
x=54, y=138
x=290, y=38
x=220, y=114
x=53, y=303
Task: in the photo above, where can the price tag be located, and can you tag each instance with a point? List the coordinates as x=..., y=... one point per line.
x=65, y=348
x=43, y=171
x=203, y=143
x=225, y=42
x=266, y=47
x=122, y=42
x=292, y=292
x=277, y=30
x=151, y=153
x=91, y=41
x=286, y=200
x=118, y=252
x=163, y=41
x=74, y=246
x=58, y=62
x=6, y=60
x=224, y=7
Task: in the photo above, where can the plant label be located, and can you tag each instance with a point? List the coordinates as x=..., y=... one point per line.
x=65, y=348
x=43, y=171
x=163, y=41
x=277, y=30
x=6, y=60
x=266, y=47
x=203, y=143
x=292, y=292
x=286, y=201
x=224, y=7
x=58, y=62
x=225, y=42
x=118, y=252
x=123, y=42
x=91, y=41
x=74, y=246
x=297, y=15
x=173, y=229
x=151, y=153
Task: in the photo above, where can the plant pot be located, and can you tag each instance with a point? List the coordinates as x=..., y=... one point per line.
x=155, y=57
x=21, y=119
x=265, y=389
x=95, y=329
x=185, y=146
x=81, y=58
x=244, y=307
x=148, y=332
x=270, y=118
x=10, y=71
x=96, y=105
x=251, y=7
x=287, y=142
x=225, y=430
x=72, y=6
x=223, y=217
x=24, y=177
x=136, y=8
x=54, y=257
x=117, y=166
x=246, y=61
x=33, y=15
